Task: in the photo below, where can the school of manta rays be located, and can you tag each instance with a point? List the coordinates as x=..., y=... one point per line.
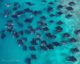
x=43, y=38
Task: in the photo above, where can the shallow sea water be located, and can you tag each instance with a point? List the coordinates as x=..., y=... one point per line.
x=13, y=53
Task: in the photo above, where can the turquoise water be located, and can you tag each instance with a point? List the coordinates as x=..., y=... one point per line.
x=12, y=52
